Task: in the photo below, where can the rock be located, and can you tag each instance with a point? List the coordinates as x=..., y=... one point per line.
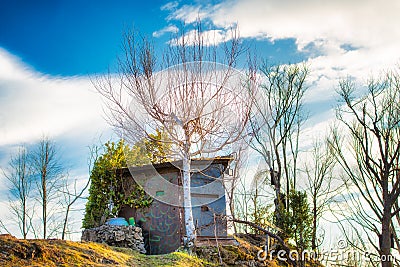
x=116, y=235
x=119, y=235
x=138, y=236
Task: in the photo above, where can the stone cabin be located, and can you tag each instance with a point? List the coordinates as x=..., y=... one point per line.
x=163, y=222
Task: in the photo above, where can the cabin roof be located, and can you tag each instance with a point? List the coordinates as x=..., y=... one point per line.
x=174, y=165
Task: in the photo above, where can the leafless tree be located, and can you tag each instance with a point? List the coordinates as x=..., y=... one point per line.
x=320, y=185
x=20, y=180
x=242, y=198
x=252, y=198
x=276, y=125
x=232, y=180
x=370, y=158
x=71, y=193
x=199, y=99
x=48, y=171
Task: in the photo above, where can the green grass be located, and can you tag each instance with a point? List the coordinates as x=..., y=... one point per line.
x=172, y=259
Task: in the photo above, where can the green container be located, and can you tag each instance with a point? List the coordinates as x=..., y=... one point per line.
x=132, y=221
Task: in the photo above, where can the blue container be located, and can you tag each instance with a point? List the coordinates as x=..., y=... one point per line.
x=117, y=221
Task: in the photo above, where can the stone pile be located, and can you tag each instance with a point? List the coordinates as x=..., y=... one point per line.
x=116, y=235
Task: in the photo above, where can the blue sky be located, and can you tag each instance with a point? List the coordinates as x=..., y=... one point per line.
x=73, y=37
x=49, y=49
x=83, y=37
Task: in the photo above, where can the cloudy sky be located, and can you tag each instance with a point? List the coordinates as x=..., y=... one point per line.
x=50, y=49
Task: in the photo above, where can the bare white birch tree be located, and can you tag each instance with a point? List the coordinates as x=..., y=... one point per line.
x=199, y=99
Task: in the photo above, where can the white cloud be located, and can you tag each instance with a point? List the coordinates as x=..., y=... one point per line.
x=33, y=104
x=170, y=5
x=324, y=28
x=343, y=38
x=167, y=29
x=67, y=109
x=209, y=38
x=189, y=13
x=362, y=23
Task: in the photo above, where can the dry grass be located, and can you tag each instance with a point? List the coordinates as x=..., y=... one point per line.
x=36, y=252
x=243, y=254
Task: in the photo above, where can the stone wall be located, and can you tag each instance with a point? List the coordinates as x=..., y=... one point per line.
x=116, y=235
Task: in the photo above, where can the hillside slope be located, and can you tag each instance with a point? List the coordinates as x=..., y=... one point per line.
x=36, y=252
x=54, y=252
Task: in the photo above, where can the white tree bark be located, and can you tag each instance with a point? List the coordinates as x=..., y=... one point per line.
x=187, y=202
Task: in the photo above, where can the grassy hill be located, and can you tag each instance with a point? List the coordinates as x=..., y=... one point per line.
x=36, y=252
x=54, y=252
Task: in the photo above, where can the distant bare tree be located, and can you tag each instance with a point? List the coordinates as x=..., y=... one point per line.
x=319, y=173
x=276, y=126
x=48, y=171
x=370, y=156
x=232, y=180
x=71, y=193
x=252, y=198
x=20, y=179
x=202, y=105
x=242, y=204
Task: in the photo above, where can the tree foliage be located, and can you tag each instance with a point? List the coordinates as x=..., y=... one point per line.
x=301, y=219
x=109, y=190
x=296, y=223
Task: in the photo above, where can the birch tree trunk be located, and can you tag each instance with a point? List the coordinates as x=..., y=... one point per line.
x=187, y=202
